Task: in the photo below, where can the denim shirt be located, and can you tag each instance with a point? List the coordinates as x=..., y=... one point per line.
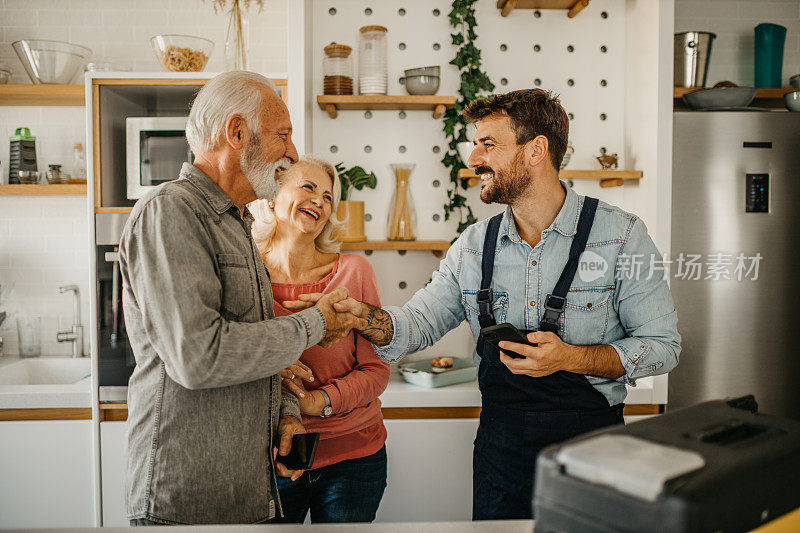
x=204, y=400
x=634, y=314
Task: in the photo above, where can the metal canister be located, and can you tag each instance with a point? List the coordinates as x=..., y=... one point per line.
x=22, y=153
x=692, y=54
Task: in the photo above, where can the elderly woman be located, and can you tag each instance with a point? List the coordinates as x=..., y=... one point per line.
x=295, y=234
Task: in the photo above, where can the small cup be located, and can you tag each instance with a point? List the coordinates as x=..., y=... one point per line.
x=29, y=331
x=28, y=177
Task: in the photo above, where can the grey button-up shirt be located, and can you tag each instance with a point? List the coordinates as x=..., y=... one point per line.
x=204, y=399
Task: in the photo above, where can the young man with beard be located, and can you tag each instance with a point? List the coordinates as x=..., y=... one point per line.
x=595, y=332
x=205, y=403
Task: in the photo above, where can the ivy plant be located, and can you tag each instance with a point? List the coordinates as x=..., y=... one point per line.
x=474, y=82
x=354, y=178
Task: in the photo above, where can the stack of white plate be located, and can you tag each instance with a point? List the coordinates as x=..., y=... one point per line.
x=375, y=84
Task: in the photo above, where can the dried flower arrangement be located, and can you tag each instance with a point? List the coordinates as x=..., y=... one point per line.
x=236, y=35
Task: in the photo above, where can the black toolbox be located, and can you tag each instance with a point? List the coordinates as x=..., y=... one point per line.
x=718, y=466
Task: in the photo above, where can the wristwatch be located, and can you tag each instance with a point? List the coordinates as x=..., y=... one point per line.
x=327, y=410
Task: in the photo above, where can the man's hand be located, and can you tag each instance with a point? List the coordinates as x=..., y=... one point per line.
x=292, y=378
x=553, y=355
x=338, y=322
x=374, y=324
x=288, y=427
x=550, y=356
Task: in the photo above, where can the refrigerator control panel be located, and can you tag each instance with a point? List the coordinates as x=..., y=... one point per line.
x=757, y=193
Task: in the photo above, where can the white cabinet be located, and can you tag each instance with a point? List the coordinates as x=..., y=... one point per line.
x=46, y=474
x=113, y=457
x=430, y=470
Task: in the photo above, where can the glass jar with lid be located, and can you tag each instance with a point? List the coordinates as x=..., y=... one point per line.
x=372, y=72
x=337, y=69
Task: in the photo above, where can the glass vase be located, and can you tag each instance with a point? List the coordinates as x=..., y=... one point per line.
x=237, y=38
x=402, y=216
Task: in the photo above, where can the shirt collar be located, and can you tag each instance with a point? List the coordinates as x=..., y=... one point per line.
x=215, y=196
x=566, y=222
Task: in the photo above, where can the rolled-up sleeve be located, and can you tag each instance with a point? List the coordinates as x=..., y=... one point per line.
x=429, y=314
x=168, y=265
x=646, y=311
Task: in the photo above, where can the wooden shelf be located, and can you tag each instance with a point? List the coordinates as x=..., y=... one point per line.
x=44, y=95
x=573, y=7
x=435, y=104
x=608, y=178
x=777, y=93
x=123, y=210
x=78, y=189
x=437, y=247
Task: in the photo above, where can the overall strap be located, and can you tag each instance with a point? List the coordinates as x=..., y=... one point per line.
x=556, y=302
x=484, y=296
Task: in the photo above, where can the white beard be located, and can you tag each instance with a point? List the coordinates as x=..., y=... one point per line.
x=261, y=174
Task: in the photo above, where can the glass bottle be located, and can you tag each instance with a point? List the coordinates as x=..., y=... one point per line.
x=402, y=215
x=372, y=71
x=79, y=163
x=337, y=69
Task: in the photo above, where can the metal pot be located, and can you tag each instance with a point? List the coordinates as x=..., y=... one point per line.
x=692, y=54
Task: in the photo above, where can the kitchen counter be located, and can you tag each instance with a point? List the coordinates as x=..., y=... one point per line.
x=490, y=526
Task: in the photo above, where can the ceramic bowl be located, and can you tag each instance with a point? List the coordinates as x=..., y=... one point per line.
x=792, y=101
x=720, y=97
x=422, y=84
x=423, y=71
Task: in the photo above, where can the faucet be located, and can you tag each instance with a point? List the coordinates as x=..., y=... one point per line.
x=76, y=335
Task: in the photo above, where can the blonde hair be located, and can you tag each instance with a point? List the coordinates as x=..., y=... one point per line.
x=264, y=225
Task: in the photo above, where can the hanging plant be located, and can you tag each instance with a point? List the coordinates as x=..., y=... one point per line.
x=474, y=83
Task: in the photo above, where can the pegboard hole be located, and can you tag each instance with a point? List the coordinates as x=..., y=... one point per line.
x=332, y=11
x=537, y=82
x=367, y=149
x=436, y=46
x=571, y=82
x=402, y=285
x=603, y=116
x=570, y=116
x=604, y=15
x=368, y=11
x=401, y=115
x=334, y=148
x=436, y=183
x=368, y=217
x=436, y=149
x=367, y=114
x=570, y=48
x=436, y=217
x=436, y=12
x=603, y=150
x=401, y=81
x=367, y=252
x=503, y=81
x=537, y=14
x=401, y=252
x=604, y=49
x=503, y=47
x=401, y=46
x=401, y=12
x=603, y=83
x=401, y=149
x=537, y=48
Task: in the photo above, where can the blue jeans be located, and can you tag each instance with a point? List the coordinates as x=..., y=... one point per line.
x=347, y=491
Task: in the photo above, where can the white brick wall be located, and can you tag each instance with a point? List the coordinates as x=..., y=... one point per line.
x=733, y=22
x=44, y=240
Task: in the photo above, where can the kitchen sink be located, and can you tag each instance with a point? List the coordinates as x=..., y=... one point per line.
x=45, y=371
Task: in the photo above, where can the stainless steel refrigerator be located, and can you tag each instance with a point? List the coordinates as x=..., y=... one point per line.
x=735, y=197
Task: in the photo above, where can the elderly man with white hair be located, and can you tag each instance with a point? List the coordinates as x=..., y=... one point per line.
x=205, y=404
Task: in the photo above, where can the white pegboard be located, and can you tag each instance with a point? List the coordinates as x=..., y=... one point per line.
x=419, y=35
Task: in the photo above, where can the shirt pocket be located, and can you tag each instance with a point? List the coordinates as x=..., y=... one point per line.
x=585, y=319
x=237, y=286
x=469, y=299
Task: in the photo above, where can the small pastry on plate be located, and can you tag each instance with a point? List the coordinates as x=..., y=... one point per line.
x=441, y=364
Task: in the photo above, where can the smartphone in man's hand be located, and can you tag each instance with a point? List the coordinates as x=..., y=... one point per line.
x=301, y=456
x=506, y=332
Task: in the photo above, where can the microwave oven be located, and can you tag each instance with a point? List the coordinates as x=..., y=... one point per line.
x=156, y=148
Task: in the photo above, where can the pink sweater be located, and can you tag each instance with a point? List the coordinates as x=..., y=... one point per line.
x=349, y=371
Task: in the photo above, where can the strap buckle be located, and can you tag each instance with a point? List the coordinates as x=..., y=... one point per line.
x=484, y=297
x=555, y=303
x=553, y=308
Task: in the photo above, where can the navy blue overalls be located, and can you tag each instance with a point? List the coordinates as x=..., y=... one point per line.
x=521, y=414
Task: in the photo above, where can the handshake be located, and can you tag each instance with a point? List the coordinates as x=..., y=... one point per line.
x=342, y=313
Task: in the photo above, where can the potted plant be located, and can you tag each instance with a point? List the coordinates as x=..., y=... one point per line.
x=350, y=211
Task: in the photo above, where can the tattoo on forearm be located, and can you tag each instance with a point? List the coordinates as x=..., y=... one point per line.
x=379, y=329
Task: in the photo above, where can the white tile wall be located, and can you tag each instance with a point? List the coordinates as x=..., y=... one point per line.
x=44, y=240
x=733, y=22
